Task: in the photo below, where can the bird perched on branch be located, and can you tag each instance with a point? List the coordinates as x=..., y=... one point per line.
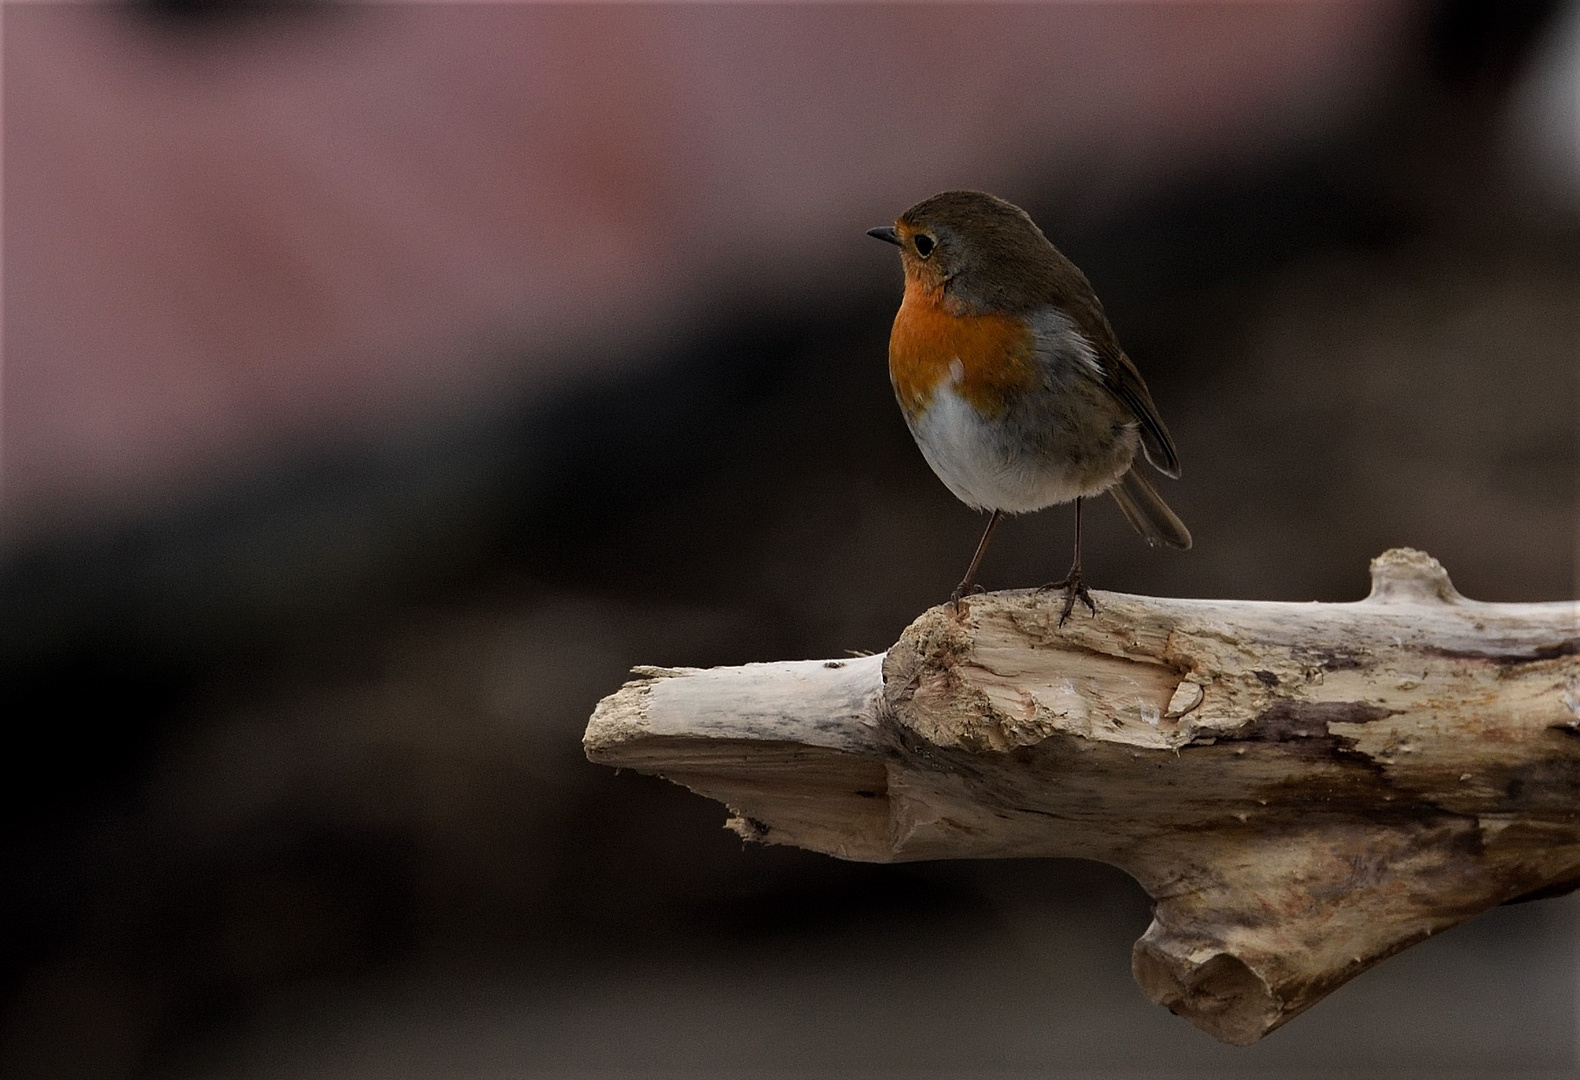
x=1011, y=379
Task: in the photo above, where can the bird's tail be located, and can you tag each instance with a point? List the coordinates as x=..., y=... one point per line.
x=1147, y=511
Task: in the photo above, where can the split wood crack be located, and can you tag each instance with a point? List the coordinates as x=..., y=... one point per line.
x=1303, y=789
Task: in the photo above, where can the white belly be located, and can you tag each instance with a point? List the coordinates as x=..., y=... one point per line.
x=989, y=469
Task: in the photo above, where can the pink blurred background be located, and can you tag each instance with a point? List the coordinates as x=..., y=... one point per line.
x=354, y=219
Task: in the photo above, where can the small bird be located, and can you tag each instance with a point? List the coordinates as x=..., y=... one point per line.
x=1011, y=379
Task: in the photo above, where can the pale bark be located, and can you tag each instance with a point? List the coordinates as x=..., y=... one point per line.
x=1303, y=789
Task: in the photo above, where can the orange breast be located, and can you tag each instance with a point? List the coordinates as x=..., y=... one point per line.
x=986, y=357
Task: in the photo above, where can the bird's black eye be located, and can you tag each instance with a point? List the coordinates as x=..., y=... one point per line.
x=924, y=244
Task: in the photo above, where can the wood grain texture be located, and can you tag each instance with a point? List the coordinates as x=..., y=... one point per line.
x=1303, y=789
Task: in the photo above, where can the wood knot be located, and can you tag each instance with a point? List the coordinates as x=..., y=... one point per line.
x=1408, y=576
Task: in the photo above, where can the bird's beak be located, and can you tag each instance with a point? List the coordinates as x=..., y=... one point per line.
x=885, y=233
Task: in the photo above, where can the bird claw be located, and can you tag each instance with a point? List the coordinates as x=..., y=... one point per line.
x=1074, y=589
x=962, y=591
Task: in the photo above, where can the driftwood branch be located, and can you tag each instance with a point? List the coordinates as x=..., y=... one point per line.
x=1303, y=789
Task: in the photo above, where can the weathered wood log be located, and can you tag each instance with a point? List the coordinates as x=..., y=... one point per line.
x=1303, y=789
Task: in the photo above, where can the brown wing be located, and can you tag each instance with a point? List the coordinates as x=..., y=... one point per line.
x=1124, y=382
x=1119, y=376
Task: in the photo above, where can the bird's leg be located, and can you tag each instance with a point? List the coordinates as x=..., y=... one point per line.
x=1074, y=588
x=976, y=561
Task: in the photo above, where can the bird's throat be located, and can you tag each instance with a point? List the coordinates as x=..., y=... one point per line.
x=985, y=357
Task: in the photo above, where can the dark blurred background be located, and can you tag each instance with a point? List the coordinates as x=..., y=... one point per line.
x=382, y=381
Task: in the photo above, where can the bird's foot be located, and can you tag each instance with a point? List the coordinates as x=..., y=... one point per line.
x=1074, y=589
x=962, y=590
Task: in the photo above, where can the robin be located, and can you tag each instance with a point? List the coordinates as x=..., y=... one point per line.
x=1011, y=379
